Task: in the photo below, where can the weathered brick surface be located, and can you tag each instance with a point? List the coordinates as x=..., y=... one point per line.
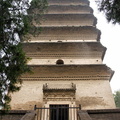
x=111, y=114
x=62, y=47
x=12, y=115
x=68, y=2
x=68, y=9
x=68, y=33
x=67, y=20
x=69, y=71
x=18, y=115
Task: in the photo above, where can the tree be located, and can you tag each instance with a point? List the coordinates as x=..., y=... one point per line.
x=12, y=59
x=15, y=23
x=117, y=98
x=111, y=9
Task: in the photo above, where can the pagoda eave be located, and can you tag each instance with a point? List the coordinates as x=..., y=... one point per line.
x=68, y=33
x=67, y=2
x=69, y=72
x=68, y=9
x=66, y=20
x=63, y=49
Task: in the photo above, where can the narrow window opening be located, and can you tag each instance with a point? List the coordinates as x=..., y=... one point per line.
x=59, y=41
x=59, y=62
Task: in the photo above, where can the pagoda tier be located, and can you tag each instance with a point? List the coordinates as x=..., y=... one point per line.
x=68, y=9
x=61, y=49
x=70, y=53
x=68, y=2
x=68, y=34
x=68, y=72
x=67, y=20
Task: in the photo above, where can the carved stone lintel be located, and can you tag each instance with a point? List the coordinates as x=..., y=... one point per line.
x=59, y=92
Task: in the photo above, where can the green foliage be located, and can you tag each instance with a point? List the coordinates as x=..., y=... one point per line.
x=35, y=12
x=111, y=8
x=37, y=6
x=12, y=58
x=117, y=98
x=15, y=23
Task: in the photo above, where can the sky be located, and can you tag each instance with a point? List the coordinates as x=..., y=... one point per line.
x=110, y=39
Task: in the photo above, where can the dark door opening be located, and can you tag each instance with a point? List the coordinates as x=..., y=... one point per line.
x=59, y=112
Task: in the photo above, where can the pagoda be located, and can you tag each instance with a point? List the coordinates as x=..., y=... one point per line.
x=67, y=61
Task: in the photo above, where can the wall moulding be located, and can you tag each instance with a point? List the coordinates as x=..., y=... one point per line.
x=68, y=78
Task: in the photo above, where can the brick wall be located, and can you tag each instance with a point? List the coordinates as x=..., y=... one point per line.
x=17, y=115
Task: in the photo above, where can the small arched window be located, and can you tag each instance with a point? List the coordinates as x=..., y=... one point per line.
x=59, y=62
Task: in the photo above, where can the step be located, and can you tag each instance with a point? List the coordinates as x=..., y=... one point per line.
x=68, y=9
x=67, y=34
x=67, y=20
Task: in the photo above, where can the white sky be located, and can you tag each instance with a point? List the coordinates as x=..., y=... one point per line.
x=110, y=39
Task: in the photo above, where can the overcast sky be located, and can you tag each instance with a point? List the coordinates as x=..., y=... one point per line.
x=110, y=39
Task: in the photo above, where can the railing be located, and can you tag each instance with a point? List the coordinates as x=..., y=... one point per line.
x=56, y=112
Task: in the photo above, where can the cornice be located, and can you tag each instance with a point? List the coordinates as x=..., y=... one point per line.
x=67, y=79
x=64, y=79
x=83, y=55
